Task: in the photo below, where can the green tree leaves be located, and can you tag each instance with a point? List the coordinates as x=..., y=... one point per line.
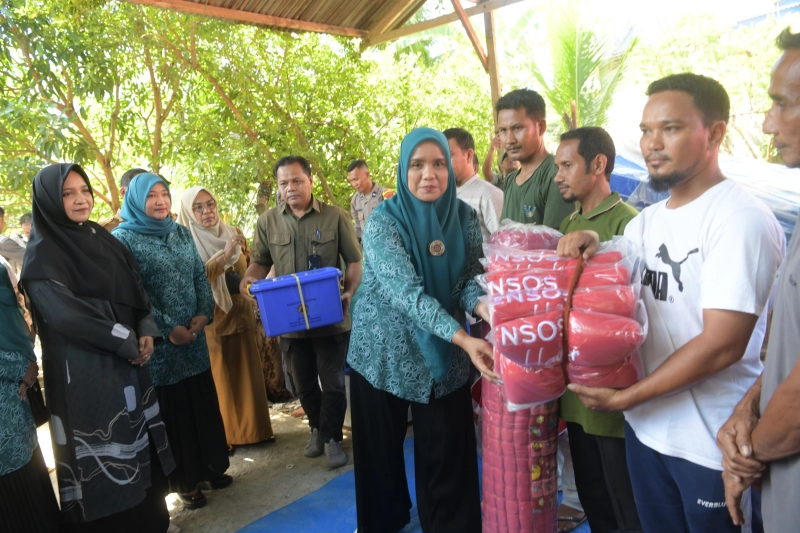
x=583, y=70
x=114, y=85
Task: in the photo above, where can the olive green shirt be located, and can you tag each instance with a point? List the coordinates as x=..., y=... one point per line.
x=538, y=200
x=283, y=240
x=607, y=219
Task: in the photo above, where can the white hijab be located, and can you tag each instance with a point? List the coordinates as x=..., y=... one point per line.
x=210, y=243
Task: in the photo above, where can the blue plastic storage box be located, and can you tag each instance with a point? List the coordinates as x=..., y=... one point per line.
x=279, y=300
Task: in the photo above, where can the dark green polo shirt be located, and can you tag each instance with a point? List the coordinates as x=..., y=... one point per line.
x=538, y=200
x=607, y=219
x=283, y=240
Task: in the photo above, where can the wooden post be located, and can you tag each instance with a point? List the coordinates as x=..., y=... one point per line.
x=491, y=59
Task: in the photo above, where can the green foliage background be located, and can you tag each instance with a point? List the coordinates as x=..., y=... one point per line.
x=113, y=85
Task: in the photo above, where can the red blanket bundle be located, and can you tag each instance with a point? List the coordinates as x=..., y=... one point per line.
x=527, y=288
x=600, y=339
x=618, y=376
x=529, y=386
x=502, y=258
x=534, y=340
x=519, y=466
x=616, y=300
x=602, y=350
x=506, y=281
x=526, y=237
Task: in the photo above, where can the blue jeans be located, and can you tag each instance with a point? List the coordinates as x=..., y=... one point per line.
x=677, y=496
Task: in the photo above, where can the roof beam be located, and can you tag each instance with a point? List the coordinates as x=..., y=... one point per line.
x=394, y=10
x=484, y=7
x=473, y=37
x=251, y=18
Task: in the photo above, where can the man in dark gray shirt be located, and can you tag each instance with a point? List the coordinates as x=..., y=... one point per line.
x=761, y=440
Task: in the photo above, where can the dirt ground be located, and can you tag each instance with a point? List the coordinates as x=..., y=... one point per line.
x=266, y=477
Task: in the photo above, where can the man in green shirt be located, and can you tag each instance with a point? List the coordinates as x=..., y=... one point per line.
x=531, y=197
x=585, y=159
x=298, y=235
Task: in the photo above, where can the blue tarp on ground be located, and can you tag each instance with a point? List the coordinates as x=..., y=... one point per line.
x=332, y=509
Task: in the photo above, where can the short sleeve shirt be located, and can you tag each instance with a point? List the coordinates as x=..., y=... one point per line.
x=721, y=251
x=362, y=205
x=283, y=240
x=607, y=219
x=538, y=200
x=781, y=482
x=486, y=200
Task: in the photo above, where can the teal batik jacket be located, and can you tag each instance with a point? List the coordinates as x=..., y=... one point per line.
x=174, y=278
x=17, y=430
x=383, y=347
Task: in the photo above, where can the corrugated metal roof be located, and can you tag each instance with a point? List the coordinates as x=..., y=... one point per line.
x=353, y=16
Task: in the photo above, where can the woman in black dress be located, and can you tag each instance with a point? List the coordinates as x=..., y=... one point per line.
x=97, y=334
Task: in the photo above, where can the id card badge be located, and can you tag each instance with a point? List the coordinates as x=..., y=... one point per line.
x=314, y=260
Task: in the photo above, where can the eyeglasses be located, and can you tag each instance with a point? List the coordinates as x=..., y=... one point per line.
x=210, y=206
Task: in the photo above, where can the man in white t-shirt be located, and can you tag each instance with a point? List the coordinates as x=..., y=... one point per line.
x=482, y=196
x=710, y=252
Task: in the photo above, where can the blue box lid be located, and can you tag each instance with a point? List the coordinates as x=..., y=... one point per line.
x=288, y=280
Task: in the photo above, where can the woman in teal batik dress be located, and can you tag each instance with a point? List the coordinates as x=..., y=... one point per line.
x=27, y=501
x=174, y=278
x=409, y=348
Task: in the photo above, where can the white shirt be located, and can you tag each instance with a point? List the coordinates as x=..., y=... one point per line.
x=720, y=251
x=486, y=200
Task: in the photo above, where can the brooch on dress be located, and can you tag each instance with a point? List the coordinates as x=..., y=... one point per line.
x=436, y=248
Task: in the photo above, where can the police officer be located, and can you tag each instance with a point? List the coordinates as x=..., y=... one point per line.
x=367, y=196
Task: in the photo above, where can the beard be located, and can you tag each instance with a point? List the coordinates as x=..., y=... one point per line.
x=664, y=183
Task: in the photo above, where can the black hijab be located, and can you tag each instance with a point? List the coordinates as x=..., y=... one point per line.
x=85, y=258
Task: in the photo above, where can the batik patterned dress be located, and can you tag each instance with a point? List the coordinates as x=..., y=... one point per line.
x=383, y=347
x=174, y=278
x=17, y=430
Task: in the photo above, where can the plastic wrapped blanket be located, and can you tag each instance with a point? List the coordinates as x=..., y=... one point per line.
x=600, y=339
x=615, y=299
x=520, y=487
x=525, y=236
x=553, y=320
x=618, y=376
x=505, y=281
x=503, y=258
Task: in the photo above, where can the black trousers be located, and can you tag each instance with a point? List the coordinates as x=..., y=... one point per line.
x=445, y=461
x=603, y=482
x=316, y=361
x=195, y=430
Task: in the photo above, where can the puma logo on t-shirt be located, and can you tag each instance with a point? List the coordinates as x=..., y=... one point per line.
x=663, y=253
